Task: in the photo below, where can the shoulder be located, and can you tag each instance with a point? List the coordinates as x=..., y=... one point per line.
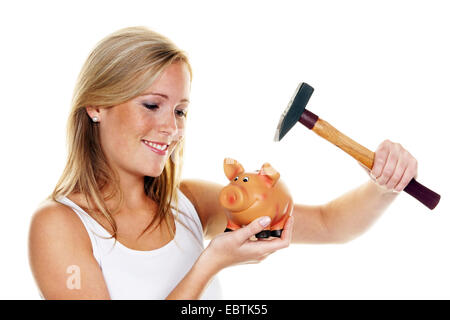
x=59, y=251
x=54, y=221
x=199, y=192
x=204, y=196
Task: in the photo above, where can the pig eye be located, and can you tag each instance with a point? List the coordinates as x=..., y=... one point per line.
x=236, y=179
x=245, y=179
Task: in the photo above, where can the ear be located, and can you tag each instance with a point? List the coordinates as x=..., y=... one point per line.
x=232, y=168
x=270, y=175
x=92, y=111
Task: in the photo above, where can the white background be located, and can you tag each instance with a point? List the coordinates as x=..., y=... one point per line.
x=380, y=70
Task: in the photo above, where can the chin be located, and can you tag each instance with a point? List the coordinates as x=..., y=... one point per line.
x=153, y=172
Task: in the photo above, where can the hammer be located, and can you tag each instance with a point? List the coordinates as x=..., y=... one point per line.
x=296, y=111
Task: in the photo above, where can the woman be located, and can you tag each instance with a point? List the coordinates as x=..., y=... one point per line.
x=121, y=225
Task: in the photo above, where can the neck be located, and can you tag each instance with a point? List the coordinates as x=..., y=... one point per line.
x=134, y=197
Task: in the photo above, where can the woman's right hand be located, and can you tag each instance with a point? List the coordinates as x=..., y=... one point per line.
x=229, y=249
x=232, y=248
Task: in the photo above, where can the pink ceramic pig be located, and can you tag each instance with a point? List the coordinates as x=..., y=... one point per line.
x=250, y=195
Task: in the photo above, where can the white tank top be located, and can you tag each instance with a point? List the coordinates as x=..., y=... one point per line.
x=135, y=274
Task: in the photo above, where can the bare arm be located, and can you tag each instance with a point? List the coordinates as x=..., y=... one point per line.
x=194, y=283
x=60, y=256
x=228, y=249
x=338, y=221
x=225, y=249
x=342, y=219
x=204, y=196
x=353, y=213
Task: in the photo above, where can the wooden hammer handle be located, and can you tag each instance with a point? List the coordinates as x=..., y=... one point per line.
x=353, y=148
x=428, y=197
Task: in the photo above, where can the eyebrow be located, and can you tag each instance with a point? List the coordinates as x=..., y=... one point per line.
x=162, y=95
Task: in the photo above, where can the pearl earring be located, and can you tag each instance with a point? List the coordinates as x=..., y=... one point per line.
x=95, y=119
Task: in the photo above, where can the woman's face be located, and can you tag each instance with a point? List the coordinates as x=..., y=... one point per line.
x=128, y=130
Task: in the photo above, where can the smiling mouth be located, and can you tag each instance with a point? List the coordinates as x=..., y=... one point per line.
x=160, y=149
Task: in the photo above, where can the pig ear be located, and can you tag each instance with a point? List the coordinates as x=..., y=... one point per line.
x=232, y=168
x=269, y=174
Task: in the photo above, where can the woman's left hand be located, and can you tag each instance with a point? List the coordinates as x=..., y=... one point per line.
x=393, y=166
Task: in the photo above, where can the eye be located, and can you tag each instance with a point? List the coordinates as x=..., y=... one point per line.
x=236, y=179
x=150, y=106
x=181, y=113
x=245, y=179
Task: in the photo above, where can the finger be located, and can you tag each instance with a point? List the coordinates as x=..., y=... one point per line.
x=287, y=231
x=388, y=169
x=251, y=229
x=381, y=155
x=280, y=243
x=409, y=174
x=397, y=175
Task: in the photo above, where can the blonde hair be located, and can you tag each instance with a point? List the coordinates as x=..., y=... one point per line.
x=122, y=66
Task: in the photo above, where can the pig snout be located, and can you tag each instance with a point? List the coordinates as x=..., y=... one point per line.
x=233, y=198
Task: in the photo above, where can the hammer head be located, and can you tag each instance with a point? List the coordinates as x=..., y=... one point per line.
x=294, y=110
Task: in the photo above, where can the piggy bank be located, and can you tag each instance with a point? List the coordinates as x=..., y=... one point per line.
x=250, y=195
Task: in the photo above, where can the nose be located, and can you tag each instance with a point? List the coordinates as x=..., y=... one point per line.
x=232, y=198
x=169, y=125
